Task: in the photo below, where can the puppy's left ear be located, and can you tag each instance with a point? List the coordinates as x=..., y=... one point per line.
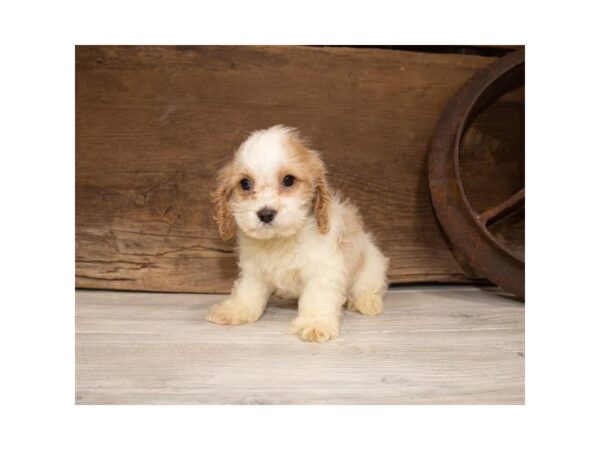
x=322, y=198
x=316, y=169
x=321, y=203
x=220, y=197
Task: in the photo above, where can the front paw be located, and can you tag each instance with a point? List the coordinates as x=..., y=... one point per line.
x=313, y=329
x=230, y=312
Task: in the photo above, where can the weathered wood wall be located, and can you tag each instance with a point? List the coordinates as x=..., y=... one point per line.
x=153, y=124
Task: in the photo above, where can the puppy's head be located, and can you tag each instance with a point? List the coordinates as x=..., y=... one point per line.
x=271, y=187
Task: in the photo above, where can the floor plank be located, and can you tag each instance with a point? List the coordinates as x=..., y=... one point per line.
x=456, y=345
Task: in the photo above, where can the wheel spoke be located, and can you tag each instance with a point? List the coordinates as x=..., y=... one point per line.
x=503, y=209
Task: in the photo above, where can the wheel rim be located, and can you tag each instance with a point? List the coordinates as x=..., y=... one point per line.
x=466, y=229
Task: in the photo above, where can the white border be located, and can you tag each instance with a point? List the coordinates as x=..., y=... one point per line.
x=37, y=186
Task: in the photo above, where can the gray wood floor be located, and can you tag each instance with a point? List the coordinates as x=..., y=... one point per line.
x=436, y=345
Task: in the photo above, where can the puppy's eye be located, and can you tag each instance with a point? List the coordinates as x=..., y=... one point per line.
x=288, y=180
x=246, y=184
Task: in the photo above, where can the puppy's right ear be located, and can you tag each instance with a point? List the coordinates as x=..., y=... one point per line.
x=220, y=197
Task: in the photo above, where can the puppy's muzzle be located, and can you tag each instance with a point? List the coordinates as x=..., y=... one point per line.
x=266, y=215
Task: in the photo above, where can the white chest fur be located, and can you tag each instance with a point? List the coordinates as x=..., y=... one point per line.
x=288, y=265
x=278, y=262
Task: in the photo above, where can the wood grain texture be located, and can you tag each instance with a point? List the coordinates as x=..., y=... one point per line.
x=431, y=346
x=153, y=124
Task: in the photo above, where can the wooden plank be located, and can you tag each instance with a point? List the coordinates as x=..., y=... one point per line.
x=153, y=124
x=431, y=346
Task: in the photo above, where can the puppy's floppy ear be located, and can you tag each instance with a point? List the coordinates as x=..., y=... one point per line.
x=220, y=197
x=315, y=169
x=321, y=204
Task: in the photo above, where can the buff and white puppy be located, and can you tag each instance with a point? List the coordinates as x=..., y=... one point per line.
x=297, y=239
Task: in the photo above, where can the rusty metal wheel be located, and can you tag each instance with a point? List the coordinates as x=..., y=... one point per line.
x=466, y=229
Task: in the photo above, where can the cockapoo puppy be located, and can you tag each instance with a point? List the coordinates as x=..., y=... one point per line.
x=297, y=239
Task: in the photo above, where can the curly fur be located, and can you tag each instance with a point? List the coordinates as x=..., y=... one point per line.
x=314, y=250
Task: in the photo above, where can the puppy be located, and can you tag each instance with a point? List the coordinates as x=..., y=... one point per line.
x=297, y=239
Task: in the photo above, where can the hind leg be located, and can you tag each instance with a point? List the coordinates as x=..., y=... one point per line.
x=370, y=283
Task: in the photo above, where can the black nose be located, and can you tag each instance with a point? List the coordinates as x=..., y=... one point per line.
x=266, y=215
